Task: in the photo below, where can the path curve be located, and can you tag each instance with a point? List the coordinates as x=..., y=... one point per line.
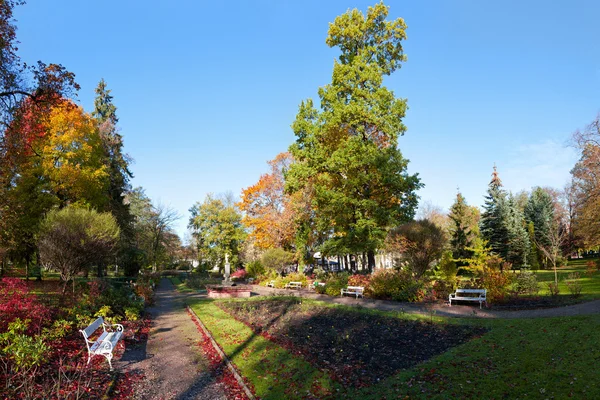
x=460, y=311
x=171, y=360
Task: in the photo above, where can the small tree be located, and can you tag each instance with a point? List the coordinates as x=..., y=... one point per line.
x=419, y=243
x=73, y=239
x=552, y=249
x=277, y=259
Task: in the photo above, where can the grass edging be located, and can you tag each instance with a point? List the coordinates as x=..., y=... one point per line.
x=224, y=357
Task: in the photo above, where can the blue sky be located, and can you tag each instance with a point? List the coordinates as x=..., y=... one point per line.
x=206, y=91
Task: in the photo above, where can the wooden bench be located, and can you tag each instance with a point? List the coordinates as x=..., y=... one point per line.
x=478, y=295
x=271, y=284
x=106, y=343
x=293, y=285
x=354, y=290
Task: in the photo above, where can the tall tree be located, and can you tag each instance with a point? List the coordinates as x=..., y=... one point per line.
x=585, y=191
x=216, y=225
x=464, y=228
x=493, y=226
x=117, y=162
x=347, y=152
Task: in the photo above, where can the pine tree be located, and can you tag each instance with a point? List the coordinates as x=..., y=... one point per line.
x=533, y=257
x=118, y=163
x=464, y=228
x=493, y=226
x=540, y=211
x=518, y=240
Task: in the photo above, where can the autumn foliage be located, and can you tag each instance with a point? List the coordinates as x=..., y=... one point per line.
x=269, y=211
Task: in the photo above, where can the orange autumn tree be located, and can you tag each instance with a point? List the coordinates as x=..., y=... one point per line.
x=269, y=212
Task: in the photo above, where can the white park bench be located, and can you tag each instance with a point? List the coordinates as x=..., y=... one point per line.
x=293, y=285
x=469, y=295
x=271, y=284
x=315, y=285
x=354, y=290
x=106, y=343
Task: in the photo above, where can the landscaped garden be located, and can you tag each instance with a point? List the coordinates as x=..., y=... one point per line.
x=297, y=348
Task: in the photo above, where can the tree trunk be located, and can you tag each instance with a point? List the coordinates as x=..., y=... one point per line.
x=39, y=266
x=371, y=260
x=27, y=268
x=99, y=270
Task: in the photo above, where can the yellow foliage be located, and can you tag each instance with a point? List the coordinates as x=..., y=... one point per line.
x=73, y=157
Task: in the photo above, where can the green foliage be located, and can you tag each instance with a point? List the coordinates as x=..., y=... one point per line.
x=526, y=283
x=277, y=259
x=217, y=228
x=346, y=154
x=255, y=269
x=73, y=239
x=540, y=212
x=553, y=289
x=24, y=351
x=573, y=283
x=335, y=283
x=447, y=268
x=464, y=229
x=399, y=285
x=502, y=225
x=420, y=244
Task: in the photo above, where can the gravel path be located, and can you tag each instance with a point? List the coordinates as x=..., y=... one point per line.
x=171, y=360
x=461, y=311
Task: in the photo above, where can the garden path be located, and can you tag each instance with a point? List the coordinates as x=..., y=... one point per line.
x=171, y=360
x=461, y=311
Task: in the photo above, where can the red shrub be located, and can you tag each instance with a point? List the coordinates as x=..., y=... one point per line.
x=17, y=302
x=239, y=274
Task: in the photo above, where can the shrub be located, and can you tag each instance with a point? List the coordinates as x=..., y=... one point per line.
x=398, y=285
x=591, y=267
x=17, y=302
x=574, y=285
x=442, y=289
x=255, y=269
x=359, y=280
x=553, y=289
x=335, y=283
x=239, y=275
x=496, y=282
x=526, y=283
x=297, y=277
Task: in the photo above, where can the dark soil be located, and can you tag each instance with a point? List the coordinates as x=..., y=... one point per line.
x=534, y=302
x=356, y=348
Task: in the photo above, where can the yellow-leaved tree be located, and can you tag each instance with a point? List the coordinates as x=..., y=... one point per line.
x=73, y=158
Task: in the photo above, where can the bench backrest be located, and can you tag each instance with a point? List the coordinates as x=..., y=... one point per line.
x=471, y=291
x=92, y=328
x=356, y=288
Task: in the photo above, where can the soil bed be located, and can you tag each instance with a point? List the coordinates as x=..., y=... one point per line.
x=535, y=302
x=355, y=348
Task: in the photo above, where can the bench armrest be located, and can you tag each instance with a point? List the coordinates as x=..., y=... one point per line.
x=115, y=327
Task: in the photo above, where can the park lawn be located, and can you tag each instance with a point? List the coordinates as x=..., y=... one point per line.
x=534, y=358
x=590, y=282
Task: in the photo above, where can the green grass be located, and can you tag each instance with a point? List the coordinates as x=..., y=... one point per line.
x=590, y=283
x=534, y=358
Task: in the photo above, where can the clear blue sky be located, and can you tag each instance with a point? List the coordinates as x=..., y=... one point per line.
x=206, y=90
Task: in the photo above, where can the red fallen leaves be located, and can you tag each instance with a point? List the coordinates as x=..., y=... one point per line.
x=219, y=369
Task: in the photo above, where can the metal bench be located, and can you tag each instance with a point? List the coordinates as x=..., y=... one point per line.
x=478, y=295
x=293, y=285
x=106, y=343
x=354, y=290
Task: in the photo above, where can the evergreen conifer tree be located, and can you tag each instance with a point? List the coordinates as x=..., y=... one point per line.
x=464, y=228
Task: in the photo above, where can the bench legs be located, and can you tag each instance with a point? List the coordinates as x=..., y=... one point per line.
x=108, y=357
